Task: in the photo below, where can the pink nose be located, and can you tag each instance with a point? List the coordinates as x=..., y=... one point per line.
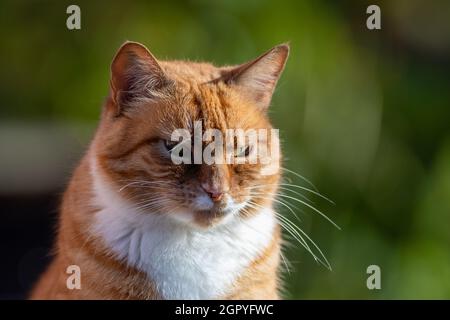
x=214, y=193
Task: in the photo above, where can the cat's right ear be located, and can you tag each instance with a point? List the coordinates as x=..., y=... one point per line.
x=135, y=76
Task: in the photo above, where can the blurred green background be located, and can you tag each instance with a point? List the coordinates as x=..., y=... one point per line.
x=365, y=115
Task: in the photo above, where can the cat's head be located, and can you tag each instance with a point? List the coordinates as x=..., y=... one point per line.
x=150, y=99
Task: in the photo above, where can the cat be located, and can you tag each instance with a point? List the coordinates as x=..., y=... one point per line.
x=141, y=227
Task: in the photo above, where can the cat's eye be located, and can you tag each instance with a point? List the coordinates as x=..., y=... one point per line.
x=169, y=145
x=243, y=152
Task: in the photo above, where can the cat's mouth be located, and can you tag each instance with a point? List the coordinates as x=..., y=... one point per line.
x=208, y=218
x=218, y=213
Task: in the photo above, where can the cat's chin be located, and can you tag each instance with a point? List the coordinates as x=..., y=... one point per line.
x=204, y=219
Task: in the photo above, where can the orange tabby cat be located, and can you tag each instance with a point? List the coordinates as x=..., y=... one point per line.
x=139, y=226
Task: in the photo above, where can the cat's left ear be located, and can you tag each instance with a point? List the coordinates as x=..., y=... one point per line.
x=259, y=77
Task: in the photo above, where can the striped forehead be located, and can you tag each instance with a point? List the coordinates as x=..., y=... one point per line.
x=211, y=107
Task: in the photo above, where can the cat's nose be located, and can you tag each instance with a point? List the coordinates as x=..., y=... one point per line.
x=213, y=192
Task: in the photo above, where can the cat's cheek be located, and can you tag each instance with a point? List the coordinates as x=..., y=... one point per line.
x=242, y=197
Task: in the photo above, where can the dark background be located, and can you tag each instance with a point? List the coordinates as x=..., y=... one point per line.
x=363, y=114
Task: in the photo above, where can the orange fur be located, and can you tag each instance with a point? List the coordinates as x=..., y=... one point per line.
x=148, y=100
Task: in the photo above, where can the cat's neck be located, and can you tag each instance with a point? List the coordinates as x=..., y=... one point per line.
x=184, y=262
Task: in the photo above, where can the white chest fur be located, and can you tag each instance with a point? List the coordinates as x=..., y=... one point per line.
x=183, y=262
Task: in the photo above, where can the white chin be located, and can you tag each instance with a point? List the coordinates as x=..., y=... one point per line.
x=185, y=217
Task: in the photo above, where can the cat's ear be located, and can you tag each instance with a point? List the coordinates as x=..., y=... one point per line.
x=259, y=77
x=135, y=75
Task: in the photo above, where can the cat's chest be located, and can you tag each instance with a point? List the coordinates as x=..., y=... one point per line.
x=185, y=263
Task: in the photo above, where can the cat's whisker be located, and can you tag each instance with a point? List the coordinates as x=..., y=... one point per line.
x=313, y=208
x=302, y=241
x=256, y=206
x=294, y=186
x=297, y=193
x=136, y=198
x=306, y=204
x=283, y=203
x=153, y=205
x=148, y=181
x=146, y=199
x=143, y=202
x=284, y=188
x=258, y=194
x=308, y=190
x=290, y=227
x=299, y=176
x=143, y=184
x=285, y=262
x=325, y=262
x=297, y=230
